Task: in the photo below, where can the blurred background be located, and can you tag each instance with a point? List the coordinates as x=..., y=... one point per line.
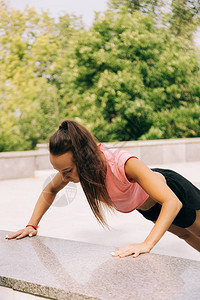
x=129, y=71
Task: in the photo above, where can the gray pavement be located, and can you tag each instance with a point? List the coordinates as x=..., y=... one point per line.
x=70, y=216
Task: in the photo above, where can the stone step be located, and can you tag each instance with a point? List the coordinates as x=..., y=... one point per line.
x=64, y=269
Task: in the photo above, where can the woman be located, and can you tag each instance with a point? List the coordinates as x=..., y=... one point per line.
x=118, y=180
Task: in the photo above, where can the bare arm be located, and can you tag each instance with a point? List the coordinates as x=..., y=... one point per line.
x=45, y=200
x=162, y=194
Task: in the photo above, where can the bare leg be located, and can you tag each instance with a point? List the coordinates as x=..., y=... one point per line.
x=188, y=236
x=195, y=227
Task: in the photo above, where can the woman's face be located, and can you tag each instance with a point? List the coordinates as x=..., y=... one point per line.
x=65, y=165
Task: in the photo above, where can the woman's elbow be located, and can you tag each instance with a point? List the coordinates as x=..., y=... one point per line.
x=179, y=205
x=174, y=204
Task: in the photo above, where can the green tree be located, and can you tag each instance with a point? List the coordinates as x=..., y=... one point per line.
x=182, y=122
x=124, y=71
x=130, y=6
x=126, y=78
x=29, y=109
x=184, y=17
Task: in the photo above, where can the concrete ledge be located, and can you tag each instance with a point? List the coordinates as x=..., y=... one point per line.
x=63, y=269
x=162, y=151
x=22, y=164
x=25, y=163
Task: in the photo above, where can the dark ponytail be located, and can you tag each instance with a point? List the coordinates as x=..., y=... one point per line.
x=91, y=168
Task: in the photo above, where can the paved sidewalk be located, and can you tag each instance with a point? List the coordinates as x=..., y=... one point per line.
x=70, y=216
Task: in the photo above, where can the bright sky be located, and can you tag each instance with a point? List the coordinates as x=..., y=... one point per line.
x=85, y=8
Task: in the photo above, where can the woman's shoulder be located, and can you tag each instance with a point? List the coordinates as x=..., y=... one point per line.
x=115, y=155
x=110, y=153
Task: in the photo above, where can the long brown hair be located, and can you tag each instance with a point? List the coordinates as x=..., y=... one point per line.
x=91, y=167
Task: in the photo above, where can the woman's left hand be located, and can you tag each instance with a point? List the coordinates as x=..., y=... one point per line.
x=133, y=249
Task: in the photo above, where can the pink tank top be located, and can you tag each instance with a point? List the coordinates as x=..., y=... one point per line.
x=126, y=195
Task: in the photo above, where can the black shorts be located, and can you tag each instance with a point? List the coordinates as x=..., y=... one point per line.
x=186, y=192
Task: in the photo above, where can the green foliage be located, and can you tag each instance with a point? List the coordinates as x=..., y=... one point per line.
x=184, y=18
x=31, y=46
x=126, y=70
x=183, y=122
x=126, y=78
x=144, y=6
x=180, y=16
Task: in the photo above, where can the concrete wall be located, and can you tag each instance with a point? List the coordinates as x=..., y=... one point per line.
x=23, y=164
x=162, y=151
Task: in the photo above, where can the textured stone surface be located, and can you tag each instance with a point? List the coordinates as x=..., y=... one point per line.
x=63, y=269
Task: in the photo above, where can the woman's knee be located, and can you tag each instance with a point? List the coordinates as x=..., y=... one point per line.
x=195, y=227
x=182, y=233
x=185, y=235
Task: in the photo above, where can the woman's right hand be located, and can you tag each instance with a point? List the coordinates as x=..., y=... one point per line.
x=27, y=231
